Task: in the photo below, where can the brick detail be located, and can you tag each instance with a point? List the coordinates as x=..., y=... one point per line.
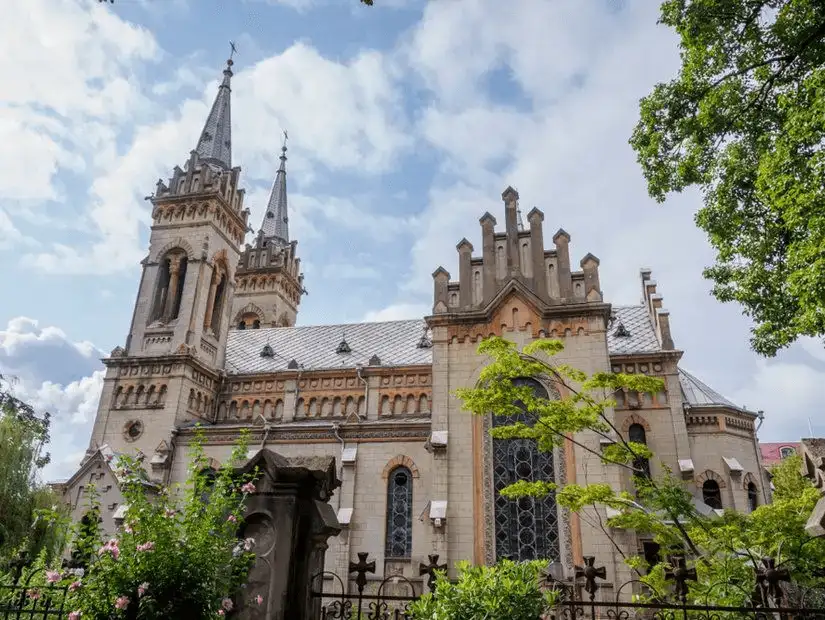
x=398, y=461
x=710, y=475
x=635, y=419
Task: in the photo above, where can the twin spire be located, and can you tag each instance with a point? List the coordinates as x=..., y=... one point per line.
x=215, y=147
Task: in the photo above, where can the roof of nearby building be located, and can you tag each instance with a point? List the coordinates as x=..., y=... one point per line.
x=772, y=452
x=696, y=393
x=396, y=343
x=638, y=335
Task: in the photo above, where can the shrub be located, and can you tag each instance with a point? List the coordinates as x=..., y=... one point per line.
x=507, y=591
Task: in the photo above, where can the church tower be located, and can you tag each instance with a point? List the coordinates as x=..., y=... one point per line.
x=168, y=372
x=269, y=282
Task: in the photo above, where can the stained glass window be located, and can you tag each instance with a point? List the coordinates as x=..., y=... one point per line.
x=399, y=514
x=527, y=528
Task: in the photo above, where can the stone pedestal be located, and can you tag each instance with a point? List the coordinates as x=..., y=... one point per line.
x=290, y=519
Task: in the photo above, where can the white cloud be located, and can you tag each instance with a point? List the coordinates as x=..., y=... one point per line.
x=396, y=312
x=54, y=374
x=346, y=271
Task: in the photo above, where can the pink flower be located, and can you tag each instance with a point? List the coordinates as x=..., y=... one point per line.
x=249, y=487
x=259, y=599
x=227, y=604
x=221, y=612
x=52, y=576
x=75, y=615
x=128, y=529
x=142, y=588
x=248, y=543
x=232, y=519
x=33, y=594
x=111, y=547
x=147, y=546
x=169, y=513
x=122, y=602
x=74, y=586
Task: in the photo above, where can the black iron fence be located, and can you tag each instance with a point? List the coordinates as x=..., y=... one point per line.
x=774, y=597
x=21, y=600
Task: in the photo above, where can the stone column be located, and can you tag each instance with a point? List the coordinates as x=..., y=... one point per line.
x=590, y=266
x=441, y=278
x=488, y=232
x=172, y=290
x=562, y=241
x=510, y=197
x=210, y=303
x=536, y=217
x=465, y=273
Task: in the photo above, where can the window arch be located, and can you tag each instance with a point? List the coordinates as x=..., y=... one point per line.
x=636, y=434
x=787, y=451
x=528, y=528
x=399, y=514
x=712, y=494
x=753, y=496
x=169, y=286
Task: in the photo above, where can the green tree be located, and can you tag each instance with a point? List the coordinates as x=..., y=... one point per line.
x=177, y=554
x=743, y=121
x=727, y=550
x=22, y=437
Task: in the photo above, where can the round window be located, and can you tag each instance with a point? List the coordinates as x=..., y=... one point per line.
x=133, y=430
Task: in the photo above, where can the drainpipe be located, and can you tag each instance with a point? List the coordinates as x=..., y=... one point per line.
x=172, y=449
x=761, y=416
x=358, y=369
x=297, y=392
x=341, y=460
x=267, y=428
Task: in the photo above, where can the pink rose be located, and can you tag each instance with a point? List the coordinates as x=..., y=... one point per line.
x=249, y=487
x=259, y=599
x=147, y=546
x=52, y=576
x=74, y=586
x=122, y=602
x=248, y=543
x=142, y=588
x=227, y=604
x=75, y=615
x=232, y=519
x=221, y=612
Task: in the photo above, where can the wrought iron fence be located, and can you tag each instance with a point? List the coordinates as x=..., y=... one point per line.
x=774, y=598
x=24, y=601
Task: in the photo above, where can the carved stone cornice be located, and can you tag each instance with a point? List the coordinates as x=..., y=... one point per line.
x=161, y=360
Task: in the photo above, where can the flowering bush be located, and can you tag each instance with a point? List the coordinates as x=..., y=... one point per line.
x=177, y=554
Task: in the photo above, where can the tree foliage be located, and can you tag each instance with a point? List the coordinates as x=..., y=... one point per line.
x=744, y=120
x=22, y=437
x=727, y=549
x=177, y=555
x=508, y=590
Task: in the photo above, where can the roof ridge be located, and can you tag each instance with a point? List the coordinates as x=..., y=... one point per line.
x=421, y=320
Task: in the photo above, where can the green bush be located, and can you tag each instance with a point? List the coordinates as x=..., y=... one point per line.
x=506, y=591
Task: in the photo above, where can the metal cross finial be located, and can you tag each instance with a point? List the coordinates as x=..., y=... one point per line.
x=590, y=573
x=362, y=567
x=681, y=574
x=286, y=137
x=232, y=49
x=429, y=570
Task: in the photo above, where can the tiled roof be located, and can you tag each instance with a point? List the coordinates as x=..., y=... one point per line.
x=699, y=394
x=314, y=347
x=636, y=322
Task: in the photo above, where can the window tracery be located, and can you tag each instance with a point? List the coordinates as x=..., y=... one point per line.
x=399, y=514
x=169, y=288
x=527, y=528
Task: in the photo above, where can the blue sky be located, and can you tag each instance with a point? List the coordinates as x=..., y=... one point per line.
x=406, y=121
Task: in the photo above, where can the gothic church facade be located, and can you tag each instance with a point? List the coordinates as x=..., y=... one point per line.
x=214, y=342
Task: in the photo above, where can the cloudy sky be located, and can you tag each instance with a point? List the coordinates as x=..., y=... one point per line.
x=406, y=121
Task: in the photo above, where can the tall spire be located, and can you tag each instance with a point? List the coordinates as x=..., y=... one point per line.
x=215, y=143
x=276, y=220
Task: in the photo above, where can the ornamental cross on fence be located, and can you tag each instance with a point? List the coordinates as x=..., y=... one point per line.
x=430, y=570
x=680, y=574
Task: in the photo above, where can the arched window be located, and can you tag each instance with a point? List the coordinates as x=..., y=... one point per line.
x=399, y=514
x=786, y=451
x=636, y=434
x=242, y=325
x=753, y=496
x=711, y=494
x=169, y=287
x=217, y=293
x=527, y=528
x=256, y=324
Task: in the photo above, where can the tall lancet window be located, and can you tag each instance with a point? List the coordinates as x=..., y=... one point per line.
x=217, y=293
x=636, y=434
x=399, y=514
x=527, y=528
x=169, y=287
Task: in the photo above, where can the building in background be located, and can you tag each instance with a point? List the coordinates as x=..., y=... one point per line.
x=213, y=341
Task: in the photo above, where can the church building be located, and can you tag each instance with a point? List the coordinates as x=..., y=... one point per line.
x=215, y=341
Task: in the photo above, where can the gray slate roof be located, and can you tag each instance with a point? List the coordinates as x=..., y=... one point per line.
x=314, y=346
x=637, y=322
x=699, y=394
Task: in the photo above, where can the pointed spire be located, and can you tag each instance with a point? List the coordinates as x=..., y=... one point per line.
x=215, y=143
x=276, y=219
